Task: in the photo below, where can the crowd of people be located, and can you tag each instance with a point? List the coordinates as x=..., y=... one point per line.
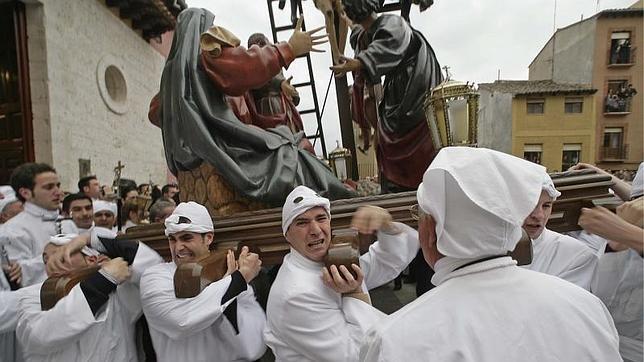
x=579, y=299
x=620, y=100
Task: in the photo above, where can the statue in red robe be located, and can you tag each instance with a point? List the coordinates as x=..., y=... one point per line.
x=388, y=46
x=205, y=65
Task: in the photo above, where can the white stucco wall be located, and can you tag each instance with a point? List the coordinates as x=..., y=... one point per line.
x=573, y=54
x=68, y=39
x=495, y=120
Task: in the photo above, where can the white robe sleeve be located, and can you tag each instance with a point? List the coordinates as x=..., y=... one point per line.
x=251, y=321
x=129, y=294
x=8, y=311
x=581, y=269
x=371, y=347
x=389, y=256
x=44, y=332
x=145, y=257
x=322, y=333
x=19, y=247
x=180, y=317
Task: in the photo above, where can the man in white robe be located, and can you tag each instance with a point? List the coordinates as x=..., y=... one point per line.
x=79, y=209
x=484, y=308
x=225, y=321
x=25, y=235
x=9, y=348
x=96, y=320
x=553, y=253
x=619, y=283
x=309, y=321
x=105, y=214
x=10, y=206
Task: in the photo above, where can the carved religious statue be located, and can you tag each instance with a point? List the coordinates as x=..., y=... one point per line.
x=221, y=162
x=388, y=46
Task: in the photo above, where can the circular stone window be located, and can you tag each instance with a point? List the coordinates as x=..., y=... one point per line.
x=112, y=85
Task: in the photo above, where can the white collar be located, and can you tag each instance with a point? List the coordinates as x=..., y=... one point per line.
x=37, y=211
x=447, y=268
x=541, y=239
x=304, y=262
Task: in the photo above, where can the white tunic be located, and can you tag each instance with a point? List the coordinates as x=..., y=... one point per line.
x=619, y=283
x=69, y=227
x=70, y=332
x=195, y=329
x=595, y=242
x=564, y=257
x=494, y=311
x=25, y=236
x=307, y=321
x=9, y=347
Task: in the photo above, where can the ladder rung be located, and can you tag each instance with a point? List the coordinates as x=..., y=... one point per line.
x=390, y=7
x=305, y=84
x=313, y=137
x=307, y=111
x=284, y=28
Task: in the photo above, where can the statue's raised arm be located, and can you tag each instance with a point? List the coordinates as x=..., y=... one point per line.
x=203, y=139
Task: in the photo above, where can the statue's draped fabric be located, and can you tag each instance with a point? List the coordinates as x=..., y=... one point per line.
x=393, y=49
x=198, y=125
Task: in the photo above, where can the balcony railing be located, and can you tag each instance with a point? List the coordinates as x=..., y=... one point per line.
x=619, y=153
x=618, y=105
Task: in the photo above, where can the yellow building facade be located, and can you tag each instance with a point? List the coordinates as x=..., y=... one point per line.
x=556, y=130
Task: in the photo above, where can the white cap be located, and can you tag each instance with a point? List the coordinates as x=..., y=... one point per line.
x=102, y=205
x=549, y=187
x=299, y=201
x=8, y=196
x=479, y=199
x=189, y=216
x=63, y=239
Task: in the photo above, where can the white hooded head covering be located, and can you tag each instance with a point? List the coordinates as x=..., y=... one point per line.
x=9, y=196
x=102, y=205
x=549, y=186
x=189, y=216
x=637, y=189
x=479, y=199
x=64, y=239
x=299, y=201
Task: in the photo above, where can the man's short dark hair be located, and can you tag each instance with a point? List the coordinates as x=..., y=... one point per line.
x=85, y=182
x=24, y=176
x=67, y=201
x=167, y=188
x=157, y=208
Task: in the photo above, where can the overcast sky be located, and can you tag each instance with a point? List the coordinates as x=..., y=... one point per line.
x=475, y=38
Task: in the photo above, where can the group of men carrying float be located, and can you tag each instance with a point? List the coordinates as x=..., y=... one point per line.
x=484, y=307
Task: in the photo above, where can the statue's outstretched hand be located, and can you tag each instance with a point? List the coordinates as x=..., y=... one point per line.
x=288, y=89
x=346, y=65
x=303, y=42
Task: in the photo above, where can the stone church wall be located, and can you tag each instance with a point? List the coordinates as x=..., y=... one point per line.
x=92, y=77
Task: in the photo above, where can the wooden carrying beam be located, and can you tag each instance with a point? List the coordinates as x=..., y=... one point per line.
x=262, y=230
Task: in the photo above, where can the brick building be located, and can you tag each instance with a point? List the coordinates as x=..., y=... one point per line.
x=604, y=51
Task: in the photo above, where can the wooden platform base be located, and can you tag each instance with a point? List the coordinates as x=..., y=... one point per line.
x=262, y=231
x=205, y=186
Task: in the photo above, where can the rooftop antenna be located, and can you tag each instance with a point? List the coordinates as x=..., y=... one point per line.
x=554, y=19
